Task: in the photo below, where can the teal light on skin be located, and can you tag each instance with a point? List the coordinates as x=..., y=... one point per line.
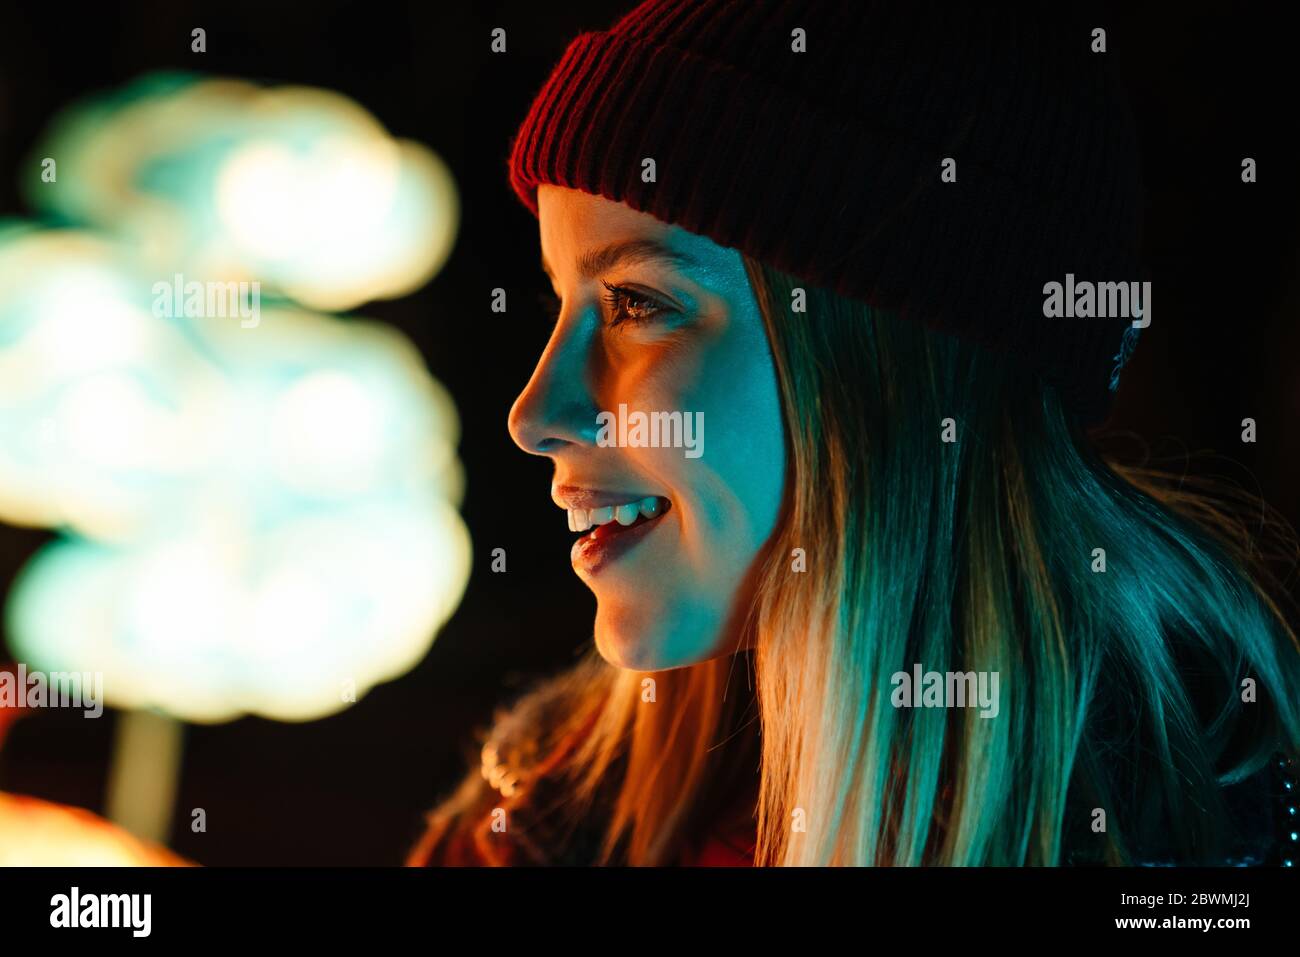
x=672, y=599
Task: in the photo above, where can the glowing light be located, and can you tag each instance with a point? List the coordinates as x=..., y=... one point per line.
x=264, y=517
x=36, y=833
x=278, y=623
x=299, y=188
x=260, y=519
x=268, y=196
x=327, y=433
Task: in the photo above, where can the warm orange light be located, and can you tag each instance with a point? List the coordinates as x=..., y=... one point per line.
x=36, y=833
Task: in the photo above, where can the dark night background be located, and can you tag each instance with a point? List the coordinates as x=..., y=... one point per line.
x=1209, y=86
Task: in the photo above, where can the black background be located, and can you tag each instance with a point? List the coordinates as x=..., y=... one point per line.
x=1210, y=85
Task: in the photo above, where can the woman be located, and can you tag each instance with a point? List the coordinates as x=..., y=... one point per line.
x=866, y=593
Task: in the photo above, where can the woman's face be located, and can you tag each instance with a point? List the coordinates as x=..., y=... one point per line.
x=656, y=398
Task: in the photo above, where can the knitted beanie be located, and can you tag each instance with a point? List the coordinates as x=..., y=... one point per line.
x=944, y=162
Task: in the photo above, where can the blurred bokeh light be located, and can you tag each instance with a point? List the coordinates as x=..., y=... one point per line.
x=35, y=833
x=298, y=188
x=256, y=517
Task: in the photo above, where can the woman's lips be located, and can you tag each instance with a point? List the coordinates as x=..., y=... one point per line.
x=613, y=537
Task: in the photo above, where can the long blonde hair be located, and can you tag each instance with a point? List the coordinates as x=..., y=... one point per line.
x=1121, y=611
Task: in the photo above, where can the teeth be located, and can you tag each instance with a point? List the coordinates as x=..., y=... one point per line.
x=580, y=519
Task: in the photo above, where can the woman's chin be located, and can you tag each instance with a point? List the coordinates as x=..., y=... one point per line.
x=641, y=639
x=628, y=644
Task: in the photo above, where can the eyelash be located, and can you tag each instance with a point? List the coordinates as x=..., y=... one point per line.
x=614, y=297
x=617, y=294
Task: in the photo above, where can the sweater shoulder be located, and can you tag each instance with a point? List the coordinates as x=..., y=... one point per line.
x=502, y=811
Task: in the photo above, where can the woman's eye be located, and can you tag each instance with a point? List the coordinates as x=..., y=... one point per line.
x=628, y=305
x=625, y=305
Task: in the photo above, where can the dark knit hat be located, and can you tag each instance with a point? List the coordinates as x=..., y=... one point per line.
x=826, y=162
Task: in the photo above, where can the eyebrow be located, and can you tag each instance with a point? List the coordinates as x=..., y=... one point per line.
x=597, y=261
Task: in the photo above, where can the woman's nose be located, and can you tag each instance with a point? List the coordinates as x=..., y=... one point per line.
x=556, y=409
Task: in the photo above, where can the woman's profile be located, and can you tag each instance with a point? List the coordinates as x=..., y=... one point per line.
x=867, y=591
